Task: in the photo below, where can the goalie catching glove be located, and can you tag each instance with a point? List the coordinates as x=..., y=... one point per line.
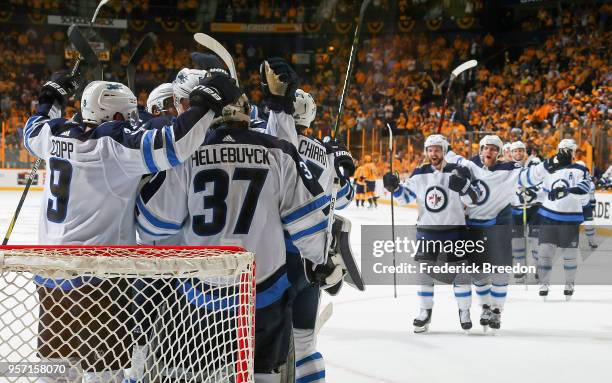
x=278, y=83
x=60, y=87
x=214, y=93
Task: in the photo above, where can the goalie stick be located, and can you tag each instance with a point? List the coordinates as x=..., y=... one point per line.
x=144, y=46
x=218, y=49
x=351, y=65
x=454, y=74
x=87, y=54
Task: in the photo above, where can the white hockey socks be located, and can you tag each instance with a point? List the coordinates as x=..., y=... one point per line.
x=519, y=251
x=483, y=290
x=499, y=290
x=546, y=256
x=570, y=263
x=309, y=364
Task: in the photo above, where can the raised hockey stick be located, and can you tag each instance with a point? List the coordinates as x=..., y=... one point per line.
x=351, y=65
x=454, y=74
x=144, y=46
x=87, y=54
x=218, y=49
x=392, y=212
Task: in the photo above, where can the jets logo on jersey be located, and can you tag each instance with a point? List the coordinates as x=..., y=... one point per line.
x=527, y=195
x=483, y=192
x=560, y=184
x=435, y=199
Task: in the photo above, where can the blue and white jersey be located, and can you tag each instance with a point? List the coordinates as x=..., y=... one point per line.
x=320, y=163
x=527, y=196
x=570, y=208
x=240, y=188
x=497, y=187
x=93, y=174
x=438, y=205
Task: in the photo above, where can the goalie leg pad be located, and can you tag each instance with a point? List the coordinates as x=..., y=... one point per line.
x=341, y=245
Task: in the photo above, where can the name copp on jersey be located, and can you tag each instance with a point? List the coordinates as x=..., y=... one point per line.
x=438, y=205
x=569, y=208
x=497, y=186
x=93, y=175
x=240, y=188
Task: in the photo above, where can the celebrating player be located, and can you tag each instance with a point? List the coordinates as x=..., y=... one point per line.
x=437, y=186
x=94, y=168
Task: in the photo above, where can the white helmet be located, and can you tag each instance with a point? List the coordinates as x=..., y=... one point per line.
x=568, y=143
x=437, y=140
x=492, y=139
x=507, y=146
x=183, y=84
x=517, y=145
x=101, y=100
x=305, y=108
x=158, y=95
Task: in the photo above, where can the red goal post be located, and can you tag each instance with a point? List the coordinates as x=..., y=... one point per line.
x=115, y=312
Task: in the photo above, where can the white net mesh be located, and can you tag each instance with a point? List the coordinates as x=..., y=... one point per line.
x=105, y=314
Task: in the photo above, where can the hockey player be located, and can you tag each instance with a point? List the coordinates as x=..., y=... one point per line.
x=370, y=181
x=243, y=187
x=360, y=185
x=325, y=161
x=507, y=151
x=587, y=211
x=491, y=216
x=94, y=169
x=161, y=101
x=560, y=217
x=525, y=205
x=437, y=187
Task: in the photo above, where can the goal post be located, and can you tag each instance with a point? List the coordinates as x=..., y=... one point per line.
x=109, y=313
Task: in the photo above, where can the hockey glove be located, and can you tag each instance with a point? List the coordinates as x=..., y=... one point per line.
x=558, y=193
x=464, y=172
x=459, y=184
x=391, y=181
x=214, y=93
x=278, y=83
x=60, y=87
x=343, y=160
x=210, y=63
x=327, y=274
x=560, y=160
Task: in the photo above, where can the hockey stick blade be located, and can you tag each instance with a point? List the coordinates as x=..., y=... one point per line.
x=145, y=45
x=95, y=15
x=462, y=68
x=85, y=50
x=218, y=49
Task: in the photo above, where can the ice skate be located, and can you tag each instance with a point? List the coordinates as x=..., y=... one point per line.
x=495, y=319
x=544, y=291
x=465, y=320
x=485, y=316
x=568, y=291
x=421, y=322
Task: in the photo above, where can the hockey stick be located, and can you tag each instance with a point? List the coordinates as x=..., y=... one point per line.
x=323, y=317
x=454, y=74
x=87, y=54
x=351, y=65
x=218, y=49
x=392, y=212
x=144, y=46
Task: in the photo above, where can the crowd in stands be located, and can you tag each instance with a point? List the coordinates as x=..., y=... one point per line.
x=560, y=85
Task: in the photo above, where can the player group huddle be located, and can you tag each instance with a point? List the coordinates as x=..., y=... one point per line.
x=494, y=197
x=200, y=167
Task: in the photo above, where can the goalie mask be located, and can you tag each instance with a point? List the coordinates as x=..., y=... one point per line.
x=183, y=84
x=160, y=98
x=240, y=111
x=103, y=100
x=305, y=108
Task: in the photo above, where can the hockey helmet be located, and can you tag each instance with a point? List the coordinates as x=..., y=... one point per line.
x=517, y=145
x=568, y=143
x=305, y=108
x=492, y=139
x=437, y=140
x=183, y=84
x=158, y=96
x=102, y=100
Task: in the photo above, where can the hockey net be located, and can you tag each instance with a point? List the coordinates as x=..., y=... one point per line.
x=145, y=314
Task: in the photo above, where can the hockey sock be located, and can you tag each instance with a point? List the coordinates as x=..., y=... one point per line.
x=518, y=250
x=546, y=255
x=570, y=264
x=499, y=290
x=463, y=294
x=533, y=246
x=426, y=291
x=589, y=230
x=483, y=290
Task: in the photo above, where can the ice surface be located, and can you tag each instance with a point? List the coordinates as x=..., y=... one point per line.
x=369, y=338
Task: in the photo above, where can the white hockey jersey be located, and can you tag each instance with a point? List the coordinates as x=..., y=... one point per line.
x=438, y=205
x=497, y=187
x=527, y=196
x=93, y=174
x=570, y=208
x=240, y=188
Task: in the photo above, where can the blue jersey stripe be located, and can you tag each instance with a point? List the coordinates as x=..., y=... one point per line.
x=154, y=220
x=561, y=217
x=170, y=152
x=311, y=230
x=147, y=151
x=148, y=231
x=272, y=293
x=306, y=209
x=208, y=300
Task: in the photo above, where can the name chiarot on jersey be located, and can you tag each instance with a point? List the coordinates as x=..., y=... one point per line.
x=313, y=151
x=211, y=155
x=61, y=149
